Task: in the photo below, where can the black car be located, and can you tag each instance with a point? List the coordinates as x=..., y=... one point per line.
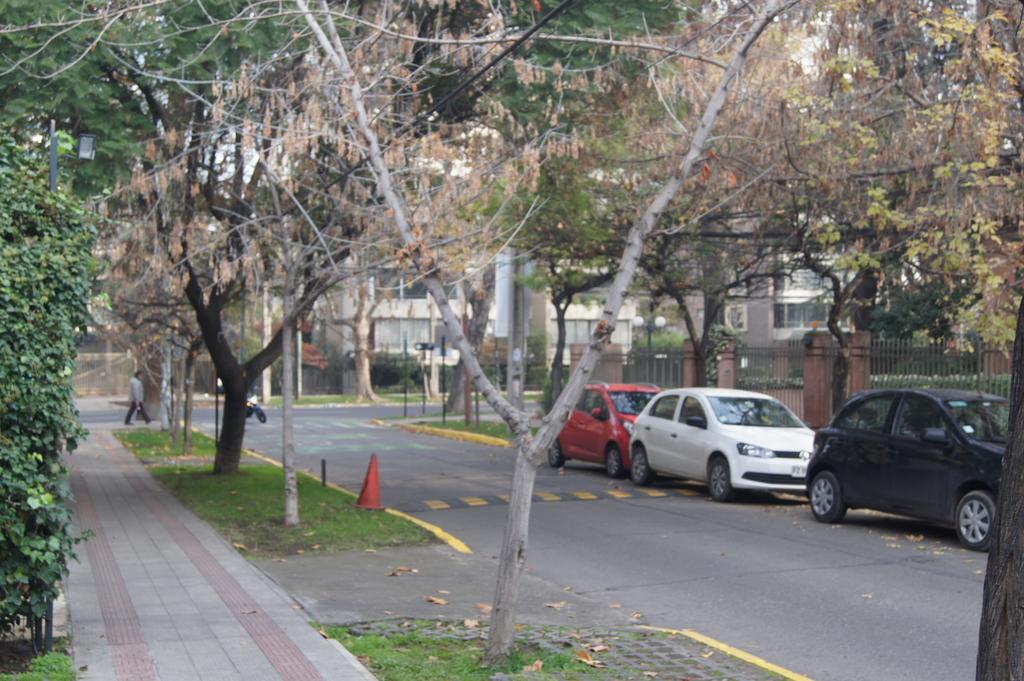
x=930, y=454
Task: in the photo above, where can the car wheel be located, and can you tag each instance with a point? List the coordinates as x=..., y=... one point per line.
x=975, y=519
x=640, y=472
x=613, y=462
x=826, y=496
x=555, y=457
x=719, y=481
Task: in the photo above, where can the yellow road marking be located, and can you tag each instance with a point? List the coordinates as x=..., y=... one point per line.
x=506, y=498
x=473, y=501
x=729, y=650
x=687, y=493
x=436, y=504
x=548, y=496
x=619, y=494
x=586, y=496
x=653, y=492
x=448, y=538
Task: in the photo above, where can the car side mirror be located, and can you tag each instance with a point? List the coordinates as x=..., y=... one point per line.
x=697, y=422
x=937, y=436
x=599, y=413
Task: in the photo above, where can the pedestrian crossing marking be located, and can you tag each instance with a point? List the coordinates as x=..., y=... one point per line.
x=436, y=504
x=473, y=501
x=619, y=494
x=548, y=496
x=596, y=495
x=586, y=496
x=653, y=492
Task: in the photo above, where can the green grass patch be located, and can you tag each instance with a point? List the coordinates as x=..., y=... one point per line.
x=420, y=656
x=247, y=508
x=49, y=667
x=321, y=400
x=496, y=429
x=155, y=445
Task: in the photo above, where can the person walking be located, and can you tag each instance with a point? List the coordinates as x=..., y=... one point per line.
x=135, y=394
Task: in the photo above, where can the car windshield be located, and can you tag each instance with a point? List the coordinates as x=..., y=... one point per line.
x=753, y=411
x=986, y=420
x=632, y=402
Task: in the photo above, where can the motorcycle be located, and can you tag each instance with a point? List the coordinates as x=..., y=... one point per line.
x=252, y=406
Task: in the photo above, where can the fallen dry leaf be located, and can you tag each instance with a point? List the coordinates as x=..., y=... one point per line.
x=443, y=591
x=637, y=616
x=535, y=667
x=388, y=612
x=435, y=600
x=240, y=547
x=484, y=608
x=599, y=648
x=402, y=569
x=867, y=596
x=914, y=537
x=615, y=605
x=556, y=606
x=472, y=624
x=708, y=654
x=584, y=657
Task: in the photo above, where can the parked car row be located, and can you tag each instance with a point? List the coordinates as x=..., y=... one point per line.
x=929, y=454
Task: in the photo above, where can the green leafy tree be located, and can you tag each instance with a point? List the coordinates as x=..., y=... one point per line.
x=45, y=246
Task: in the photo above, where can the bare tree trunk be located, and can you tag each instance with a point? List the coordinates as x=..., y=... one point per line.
x=361, y=337
x=177, y=384
x=530, y=447
x=190, y=389
x=559, y=358
x=1001, y=638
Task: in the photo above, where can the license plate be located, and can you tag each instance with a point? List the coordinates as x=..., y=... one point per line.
x=799, y=471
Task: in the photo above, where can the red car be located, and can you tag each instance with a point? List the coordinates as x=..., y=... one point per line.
x=601, y=425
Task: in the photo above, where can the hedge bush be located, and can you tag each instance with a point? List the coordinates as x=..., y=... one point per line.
x=45, y=261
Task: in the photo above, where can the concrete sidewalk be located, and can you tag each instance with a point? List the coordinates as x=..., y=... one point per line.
x=158, y=595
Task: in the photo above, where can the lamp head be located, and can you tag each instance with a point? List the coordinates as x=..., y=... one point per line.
x=86, y=150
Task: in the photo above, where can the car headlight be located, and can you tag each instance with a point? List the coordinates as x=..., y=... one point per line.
x=755, y=451
x=628, y=426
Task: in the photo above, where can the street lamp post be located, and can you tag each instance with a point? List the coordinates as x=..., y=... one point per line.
x=84, y=151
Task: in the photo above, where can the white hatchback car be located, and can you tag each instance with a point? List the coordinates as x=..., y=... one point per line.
x=731, y=439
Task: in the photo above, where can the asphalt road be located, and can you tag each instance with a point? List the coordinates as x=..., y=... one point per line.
x=877, y=598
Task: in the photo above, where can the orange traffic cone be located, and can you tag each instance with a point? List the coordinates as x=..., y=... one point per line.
x=369, y=497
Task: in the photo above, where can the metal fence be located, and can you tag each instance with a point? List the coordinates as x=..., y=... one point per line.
x=103, y=373
x=776, y=370
x=908, y=364
x=661, y=368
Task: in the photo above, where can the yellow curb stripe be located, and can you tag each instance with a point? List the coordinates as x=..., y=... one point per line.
x=473, y=501
x=618, y=494
x=448, y=538
x=653, y=492
x=436, y=504
x=729, y=650
x=585, y=496
x=548, y=496
x=454, y=435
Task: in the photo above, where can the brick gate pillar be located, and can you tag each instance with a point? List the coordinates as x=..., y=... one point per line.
x=860, y=362
x=689, y=365
x=727, y=366
x=612, y=360
x=816, y=374
x=576, y=351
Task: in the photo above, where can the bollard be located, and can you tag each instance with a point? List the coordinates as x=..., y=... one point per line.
x=323, y=472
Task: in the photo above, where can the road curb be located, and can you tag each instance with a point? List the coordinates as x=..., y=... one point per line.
x=450, y=434
x=730, y=650
x=445, y=536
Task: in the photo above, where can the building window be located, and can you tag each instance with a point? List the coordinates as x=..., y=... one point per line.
x=388, y=334
x=799, y=315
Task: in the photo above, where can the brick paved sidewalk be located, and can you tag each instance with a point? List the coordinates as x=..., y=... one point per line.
x=158, y=595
